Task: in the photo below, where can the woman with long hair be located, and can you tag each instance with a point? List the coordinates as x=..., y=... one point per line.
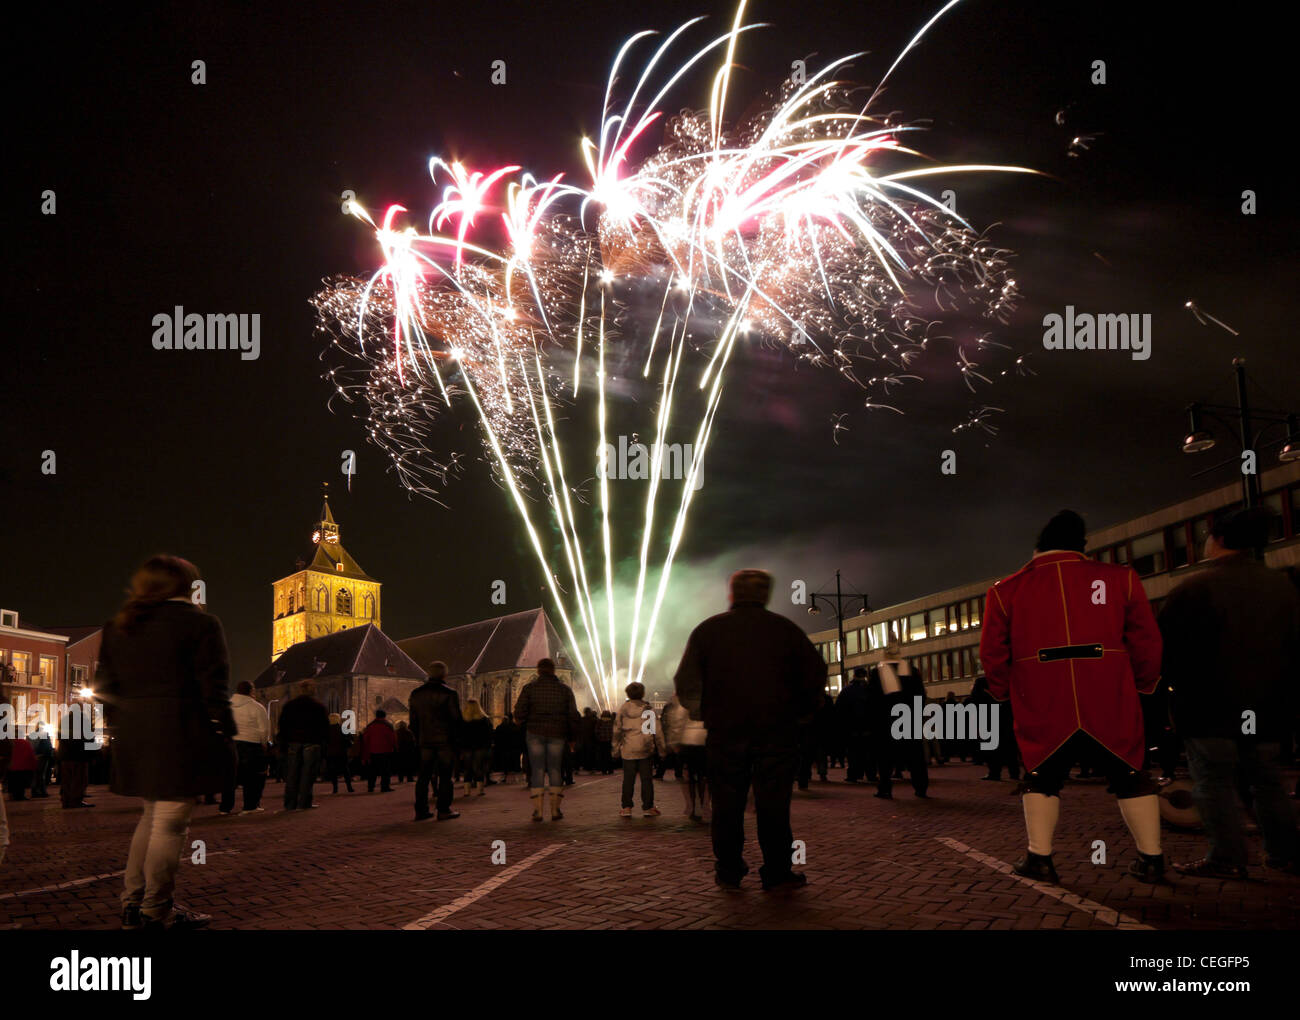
x=164, y=679
x=476, y=748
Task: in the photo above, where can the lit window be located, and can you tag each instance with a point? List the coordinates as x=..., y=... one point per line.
x=1176, y=540
x=915, y=627
x=343, y=602
x=1149, y=554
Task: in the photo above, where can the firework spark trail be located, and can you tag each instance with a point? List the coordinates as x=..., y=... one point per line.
x=671, y=365
x=777, y=226
x=532, y=532
x=688, y=490
x=604, y=498
x=583, y=586
x=576, y=570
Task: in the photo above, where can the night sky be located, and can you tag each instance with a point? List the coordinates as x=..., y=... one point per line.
x=225, y=197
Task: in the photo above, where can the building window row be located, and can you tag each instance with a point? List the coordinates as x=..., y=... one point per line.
x=1181, y=544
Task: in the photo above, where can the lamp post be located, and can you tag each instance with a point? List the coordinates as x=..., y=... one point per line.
x=836, y=603
x=1198, y=439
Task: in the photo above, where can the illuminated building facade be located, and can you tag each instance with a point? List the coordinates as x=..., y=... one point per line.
x=330, y=594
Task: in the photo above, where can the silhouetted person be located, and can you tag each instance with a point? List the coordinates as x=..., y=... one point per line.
x=548, y=713
x=163, y=677
x=43, y=748
x=74, y=754
x=476, y=748
x=408, y=754
x=304, y=729
x=1232, y=653
x=508, y=743
x=337, y=745
x=893, y=682
x=435, y=725
x=752, y=677
x=853, y=708
x=605, y=743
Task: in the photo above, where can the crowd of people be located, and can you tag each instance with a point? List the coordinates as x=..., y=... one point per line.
x=1078, y=670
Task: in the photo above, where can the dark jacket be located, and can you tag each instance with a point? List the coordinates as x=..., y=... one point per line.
x=910, y=686
x=854, y=707
x=547, y=708
x=166, y=694
x=338, y=742
x=80, y=719
x=304, y=720
x=435, y=714
x=476, y=735
x=750, y=673
x=1232, y=644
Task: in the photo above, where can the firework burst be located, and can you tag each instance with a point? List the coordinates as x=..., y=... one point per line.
x=780, y=229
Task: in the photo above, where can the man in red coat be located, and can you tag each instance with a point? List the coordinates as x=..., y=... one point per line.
x=1072, y=642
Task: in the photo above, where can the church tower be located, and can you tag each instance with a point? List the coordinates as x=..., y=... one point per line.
x=330, y=594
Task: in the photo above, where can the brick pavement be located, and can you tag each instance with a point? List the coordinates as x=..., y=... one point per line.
x=359, y=862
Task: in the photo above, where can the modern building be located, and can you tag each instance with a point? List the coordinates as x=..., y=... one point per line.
x=358, y=669
x=491, y=660
x=940, y=633
x=33, y=673
x=330, y=594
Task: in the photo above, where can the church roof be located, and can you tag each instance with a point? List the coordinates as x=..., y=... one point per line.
x=509, y=642
x=363, y=650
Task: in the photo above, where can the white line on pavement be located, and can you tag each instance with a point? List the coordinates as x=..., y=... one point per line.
x=479, y=891
x=1098, y=910
x=90, y=878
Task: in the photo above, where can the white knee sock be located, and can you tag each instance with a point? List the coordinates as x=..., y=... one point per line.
x=1041, y=813
x=1142, y=816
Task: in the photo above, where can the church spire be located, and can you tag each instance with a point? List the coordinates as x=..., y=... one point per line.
x=330, y=554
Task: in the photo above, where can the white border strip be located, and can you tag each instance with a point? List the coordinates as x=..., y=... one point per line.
x=479, y=891
x=1103, y=913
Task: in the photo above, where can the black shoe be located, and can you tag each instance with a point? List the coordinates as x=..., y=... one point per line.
x=792, y=880
x=180, y=919
x=922, y=794
x=1148, y=868
x=422, y=817
x=131, y=918
x=446, y=816
x=1206, y=868
x=1037, y=866
x=730, y=881
x=883, y=795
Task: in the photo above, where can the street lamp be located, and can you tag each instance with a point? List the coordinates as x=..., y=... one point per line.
x=836, y=603
x=1198, y=440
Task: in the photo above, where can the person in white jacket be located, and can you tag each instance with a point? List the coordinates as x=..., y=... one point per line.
x=636, y=739
x=686, y=737
x=252, y=735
